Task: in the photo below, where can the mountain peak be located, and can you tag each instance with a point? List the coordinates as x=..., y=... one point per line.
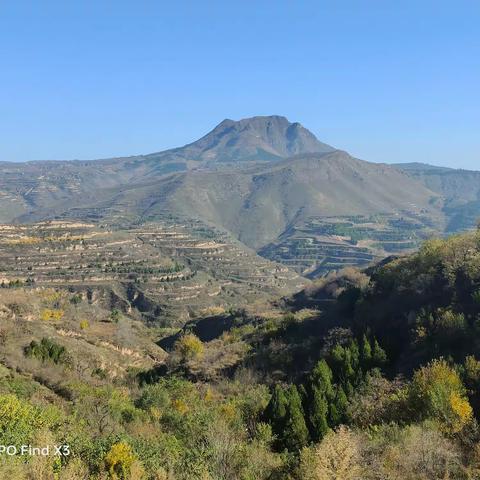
x=260, y=138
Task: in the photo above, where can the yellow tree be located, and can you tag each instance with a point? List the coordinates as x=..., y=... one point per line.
x=189, y=347
x=337, y=457
x=437, y=392
x=119, y=461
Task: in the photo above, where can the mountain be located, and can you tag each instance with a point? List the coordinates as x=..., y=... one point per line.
x=33, y=187
x=269, y=182
x=419, y=167
x=460, y=190
x=259, y=204
x=251, y=139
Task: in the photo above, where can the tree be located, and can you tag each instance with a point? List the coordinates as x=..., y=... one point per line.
x=295, y=433
x=189, y=347
x=321, y=378
x=366, y=353
x=320, y=394
x=277, y=410
x=338, y=457
x=379, y=357
x=338, y=407
x=437, y=392
x=345, y=363
x=472, y=381
x=318, y=414
x=422, y=452
x=119, y=461
x=20, y=420
x=47, y=350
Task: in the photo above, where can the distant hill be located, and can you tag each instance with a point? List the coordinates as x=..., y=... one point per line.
x=261, y=203
x=252, y=139
x=269, y=182
x=460, y=190
x=417, y=167
x=39, y=187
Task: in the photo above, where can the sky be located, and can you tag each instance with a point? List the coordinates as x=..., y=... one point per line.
x=388, y=81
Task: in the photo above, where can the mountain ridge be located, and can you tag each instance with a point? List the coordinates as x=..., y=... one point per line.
x=269, y=182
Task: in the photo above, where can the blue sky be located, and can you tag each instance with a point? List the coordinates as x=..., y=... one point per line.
x=388, y=81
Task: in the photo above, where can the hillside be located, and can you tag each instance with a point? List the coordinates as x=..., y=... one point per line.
x=380, y=375
x=291, y=191
x=163, y=274
x=459, y=188
x=40, y=187
x=302, y=197
x=325, y=209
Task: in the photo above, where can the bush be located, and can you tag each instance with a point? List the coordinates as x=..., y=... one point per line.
x=189, y=347
x=20, y=420
x=437, y=392
x=338, y=457
x=47, y=350
x=84, y=324
x=119, y=461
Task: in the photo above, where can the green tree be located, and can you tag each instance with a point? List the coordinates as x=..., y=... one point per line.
x=366, y=353
x=338, y=407
x=295, y=433
x=320, y=394
x=379, y=357
x=321, y=378
x=318, y=410
x=276, y=410
x=343, y=363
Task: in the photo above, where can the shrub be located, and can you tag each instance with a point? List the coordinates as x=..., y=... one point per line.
x=115, y=316
x=47, y=350
x=119, y=461
x=337, y=457
x=84, y=324
x=51, y=314
x=189, y=347
x=20, y=420
x=437, y=392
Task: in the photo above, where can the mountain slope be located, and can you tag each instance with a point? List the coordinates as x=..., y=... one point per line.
x=265, y=180
x=257, y=204
x=459, y=188
x=33, y=187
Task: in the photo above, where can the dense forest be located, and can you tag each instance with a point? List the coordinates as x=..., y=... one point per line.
x=365, y=375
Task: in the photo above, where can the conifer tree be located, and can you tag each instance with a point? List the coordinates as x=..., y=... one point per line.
x=342, y=365
x=379, y=357
x=321, y=378
x=276, y=410
x=295, y=433
x=366, y=353
x=338, y=407
x=318, y=414
x=354, y=353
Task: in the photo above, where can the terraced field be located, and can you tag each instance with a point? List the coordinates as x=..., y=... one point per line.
x=165, y=272
x=323, y=244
